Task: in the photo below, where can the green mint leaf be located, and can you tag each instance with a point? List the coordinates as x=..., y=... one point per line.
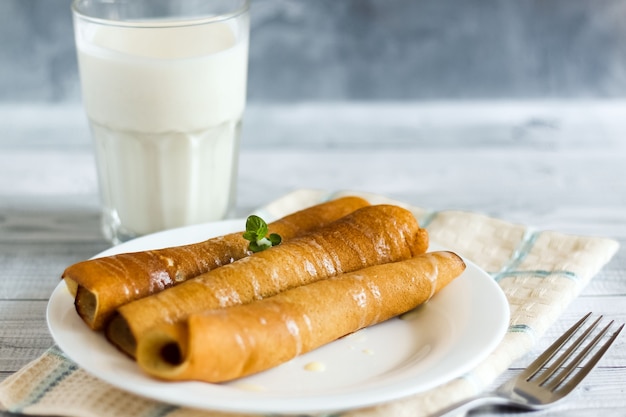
x=260, y=245
x=254, y=247
x=256, y=225
x=251, y=236
x=275, y=239
x=256, y=232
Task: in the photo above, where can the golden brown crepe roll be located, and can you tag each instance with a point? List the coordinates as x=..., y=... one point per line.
x=368, y=236
x=224, y=344
x=101, y=285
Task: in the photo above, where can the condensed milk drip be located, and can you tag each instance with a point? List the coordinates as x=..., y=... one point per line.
x=315, y=366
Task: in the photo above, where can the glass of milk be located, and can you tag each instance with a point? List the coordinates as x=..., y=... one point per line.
x=164, y=88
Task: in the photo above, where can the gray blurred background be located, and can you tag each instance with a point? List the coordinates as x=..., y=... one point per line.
x=338, y=50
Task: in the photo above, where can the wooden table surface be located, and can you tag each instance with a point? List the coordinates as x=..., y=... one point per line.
x=553, y=165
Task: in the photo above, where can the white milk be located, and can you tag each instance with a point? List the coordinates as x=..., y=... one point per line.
x=165, y=108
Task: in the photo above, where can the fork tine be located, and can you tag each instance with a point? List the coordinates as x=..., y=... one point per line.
x=568, y=353
x=538, y=363
x=575, y=380
x=565, y=372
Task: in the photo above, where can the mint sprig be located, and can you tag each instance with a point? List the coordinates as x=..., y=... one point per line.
x=256, y=233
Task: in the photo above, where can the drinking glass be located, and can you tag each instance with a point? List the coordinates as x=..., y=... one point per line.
x=164, y=88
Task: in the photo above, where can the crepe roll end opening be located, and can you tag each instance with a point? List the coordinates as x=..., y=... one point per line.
x=72, y=286
x=86, y=303
x=118, y=332
x=171, y=353
x=162, y=351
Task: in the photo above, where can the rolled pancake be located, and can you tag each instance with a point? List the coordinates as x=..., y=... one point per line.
x=368, y=236
x=101, y=285
x=230, y=343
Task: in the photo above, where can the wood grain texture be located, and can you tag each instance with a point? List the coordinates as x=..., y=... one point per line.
x=23, y=333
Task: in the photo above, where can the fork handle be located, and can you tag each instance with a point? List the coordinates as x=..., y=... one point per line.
x=462, y=407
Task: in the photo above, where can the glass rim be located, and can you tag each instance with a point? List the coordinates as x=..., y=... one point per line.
x=157, y=23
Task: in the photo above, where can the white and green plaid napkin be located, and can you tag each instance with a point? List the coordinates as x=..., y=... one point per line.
x=540, y=272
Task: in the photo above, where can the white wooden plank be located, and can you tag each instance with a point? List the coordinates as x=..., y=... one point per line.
x=532, y=186
x=371, y=125
x=23, y=333
x=33, y=270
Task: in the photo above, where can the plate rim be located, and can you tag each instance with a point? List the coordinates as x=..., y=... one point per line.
x=262, y=403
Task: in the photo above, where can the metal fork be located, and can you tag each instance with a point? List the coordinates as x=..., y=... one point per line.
x=542, y=383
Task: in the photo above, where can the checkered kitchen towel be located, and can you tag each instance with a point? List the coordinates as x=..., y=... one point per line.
x=540, y=272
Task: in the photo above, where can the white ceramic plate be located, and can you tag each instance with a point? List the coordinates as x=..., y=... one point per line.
x=424, y=348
